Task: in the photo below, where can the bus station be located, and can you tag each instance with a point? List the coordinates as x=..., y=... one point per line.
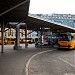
x=30, y=59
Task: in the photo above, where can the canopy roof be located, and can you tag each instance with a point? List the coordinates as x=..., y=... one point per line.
x=17, y=11
x=14, y=10
x=36, y=22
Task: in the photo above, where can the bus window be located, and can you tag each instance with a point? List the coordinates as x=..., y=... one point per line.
x=63, y=37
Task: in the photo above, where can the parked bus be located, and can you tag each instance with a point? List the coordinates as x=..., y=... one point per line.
x=5, y=41
x=11, y=40
x=66, y=40
x=29, y=40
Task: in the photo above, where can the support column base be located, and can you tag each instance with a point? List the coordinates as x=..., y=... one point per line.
x=17, y=47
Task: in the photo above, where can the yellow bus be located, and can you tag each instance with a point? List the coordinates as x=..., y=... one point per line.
x=5, y=41
x=11, y=40
x=66, y=40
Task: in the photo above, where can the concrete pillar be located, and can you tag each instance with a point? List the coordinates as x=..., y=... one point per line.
x=17, y=35
x=41, y=37
x=10, y=30
x=30, y=33
x=38, y=35
x=2, y=37
x=26, y=37
x=17, y=43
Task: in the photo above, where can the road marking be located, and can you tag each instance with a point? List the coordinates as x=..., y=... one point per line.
x=68, y=74
x=67, y=62
x=28, y=62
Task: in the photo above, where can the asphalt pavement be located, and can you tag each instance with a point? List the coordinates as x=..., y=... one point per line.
x=13, y=62
x=53, y=62
x=37, y=61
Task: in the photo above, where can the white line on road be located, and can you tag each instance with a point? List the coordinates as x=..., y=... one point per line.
x=27, y=64
x=67, y=62
x=68, y=74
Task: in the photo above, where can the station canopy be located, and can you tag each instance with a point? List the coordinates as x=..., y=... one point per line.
x=13, y=10
x=17, y=11
x=35, y=22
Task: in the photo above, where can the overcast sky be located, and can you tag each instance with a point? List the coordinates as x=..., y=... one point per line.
x=52, y=6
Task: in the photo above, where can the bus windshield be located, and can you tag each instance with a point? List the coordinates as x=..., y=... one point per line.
x=65, y=37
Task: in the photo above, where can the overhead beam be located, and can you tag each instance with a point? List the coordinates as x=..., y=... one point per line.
x=13, y=7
